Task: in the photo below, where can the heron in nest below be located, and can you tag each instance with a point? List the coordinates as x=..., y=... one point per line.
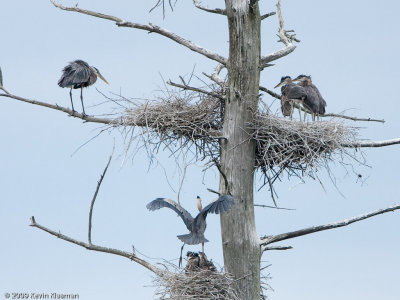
x=77, y=75
x=314, y=101
x=196, y=225
x=291, y=93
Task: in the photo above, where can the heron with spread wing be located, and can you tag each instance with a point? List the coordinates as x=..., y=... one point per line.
x=77, y=75
x=196, y=225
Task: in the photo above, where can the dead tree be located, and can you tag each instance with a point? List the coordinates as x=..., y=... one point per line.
x=227, y=126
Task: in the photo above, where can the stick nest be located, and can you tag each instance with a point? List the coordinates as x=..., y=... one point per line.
x=202, y=284
x=297, y=148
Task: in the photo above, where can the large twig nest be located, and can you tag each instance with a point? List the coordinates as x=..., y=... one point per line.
x=298, y=148
x=202, y=284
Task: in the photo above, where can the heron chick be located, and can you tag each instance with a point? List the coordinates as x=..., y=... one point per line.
x=77, y=75
x=196, y=225
x=314, y=102
x=291, y=92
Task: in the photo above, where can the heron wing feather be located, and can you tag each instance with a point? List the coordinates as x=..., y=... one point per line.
x=164, y=202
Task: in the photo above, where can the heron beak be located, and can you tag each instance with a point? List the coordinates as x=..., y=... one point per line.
x=279, y=84
x=102, y=78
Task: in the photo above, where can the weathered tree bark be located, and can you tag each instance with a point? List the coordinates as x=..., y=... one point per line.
x=239, y=236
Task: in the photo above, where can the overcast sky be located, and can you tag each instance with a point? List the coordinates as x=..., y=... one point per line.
x=349, y=47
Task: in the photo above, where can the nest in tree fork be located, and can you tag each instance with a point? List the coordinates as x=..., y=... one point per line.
x=281, y=144
x=203, y=284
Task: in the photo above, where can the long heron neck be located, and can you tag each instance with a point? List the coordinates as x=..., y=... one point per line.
x=199, y=206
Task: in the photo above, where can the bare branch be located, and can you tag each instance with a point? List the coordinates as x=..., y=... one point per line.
x=372, y=144
x=272, y=93
x=274, y=207
x=214, y=11
x=284, y=37
x=268, y=15
x=265, y=248
x=128, y=255
x=277, y=96
x=63, y=109
x=151, y=28
x=94, y=199
x=187, y=87
x=266, y=240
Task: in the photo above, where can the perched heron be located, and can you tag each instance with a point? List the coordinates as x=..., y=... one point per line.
x=196, y=225
x=77, y=75
x=314, y=101
x=290, y=92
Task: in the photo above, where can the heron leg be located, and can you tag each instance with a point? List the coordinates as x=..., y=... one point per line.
x=180, y=258
x=83, y=107
x=299, y=113
x=202, y=247
x=72, y=103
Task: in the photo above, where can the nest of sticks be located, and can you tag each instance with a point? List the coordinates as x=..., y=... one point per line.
x=202, y=284
x=282, y=145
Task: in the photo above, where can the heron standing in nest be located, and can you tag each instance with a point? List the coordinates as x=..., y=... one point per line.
x=196, y=225
x=314, y=102
x=291, y=93
x=77, y=75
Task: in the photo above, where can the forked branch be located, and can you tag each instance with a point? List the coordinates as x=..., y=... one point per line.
x=266, y=240
x=284, y=37
x=131, y=256
x=150, y=28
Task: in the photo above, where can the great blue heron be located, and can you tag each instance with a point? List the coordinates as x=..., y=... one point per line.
x=290, y=92
x=196, y=225
x=314, y=101
x=77, y=75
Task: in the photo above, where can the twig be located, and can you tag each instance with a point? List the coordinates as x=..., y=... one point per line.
x=274, y=207
x=150, y=28
x=214, y=191
x=195, y=89
x=265, y=248
x=266, y=240
x=214, y=11
x=128, y=255
x=94, y=199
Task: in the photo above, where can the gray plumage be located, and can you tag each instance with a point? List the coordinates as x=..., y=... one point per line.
x=196, y=225
x=77, y=75
x=314, y=101
x=290, y=91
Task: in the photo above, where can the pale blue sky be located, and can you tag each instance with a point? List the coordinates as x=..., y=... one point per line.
x=349, y=47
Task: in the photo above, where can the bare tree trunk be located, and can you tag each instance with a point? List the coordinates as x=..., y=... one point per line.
x=239, y=236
